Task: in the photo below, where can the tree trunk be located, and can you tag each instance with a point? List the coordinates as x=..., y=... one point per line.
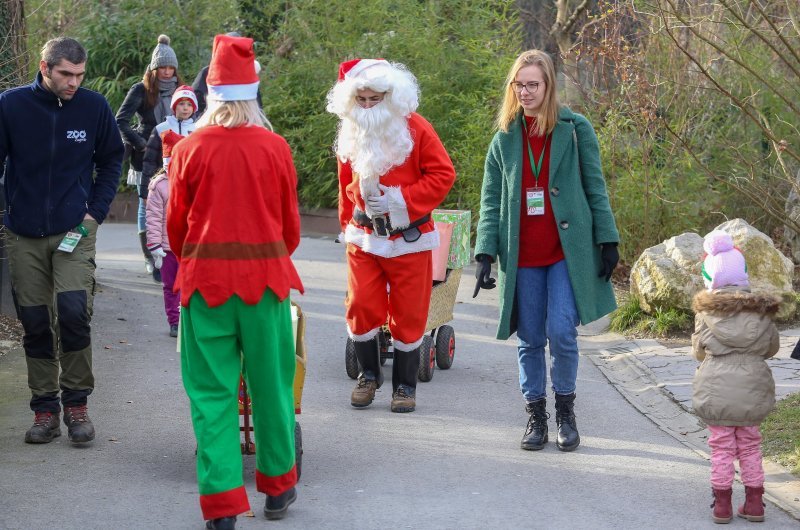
x=563, y=32
x=13, y=56
x=13, y=63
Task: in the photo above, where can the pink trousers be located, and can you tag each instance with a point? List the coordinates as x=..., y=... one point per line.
x=729, y=443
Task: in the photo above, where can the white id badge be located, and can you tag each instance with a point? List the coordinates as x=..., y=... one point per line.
x=70, y=241
x=72, y=238
x=534, y=201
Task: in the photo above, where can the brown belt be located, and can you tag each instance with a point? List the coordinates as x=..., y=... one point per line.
x=235, y=250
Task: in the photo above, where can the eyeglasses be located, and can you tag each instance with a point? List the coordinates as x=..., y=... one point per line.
x=532, y=87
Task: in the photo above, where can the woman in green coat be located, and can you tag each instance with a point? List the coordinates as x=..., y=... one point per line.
x=546, y=218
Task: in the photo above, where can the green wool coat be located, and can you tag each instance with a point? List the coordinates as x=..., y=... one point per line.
x=580, y=205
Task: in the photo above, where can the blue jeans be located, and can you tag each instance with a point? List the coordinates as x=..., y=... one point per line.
x=141, y=221
x=546, y=312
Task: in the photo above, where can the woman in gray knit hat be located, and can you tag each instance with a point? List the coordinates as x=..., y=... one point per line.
x=149, y=101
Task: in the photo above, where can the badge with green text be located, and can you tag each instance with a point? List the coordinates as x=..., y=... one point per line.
x=534, y=201
x=72, y=238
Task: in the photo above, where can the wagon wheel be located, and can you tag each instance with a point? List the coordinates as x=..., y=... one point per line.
x=427, y=359
x=298, y=447
x=350, y=359
x=445, y=347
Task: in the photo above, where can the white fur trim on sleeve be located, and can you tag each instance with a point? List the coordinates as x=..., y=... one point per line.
x=398, y=211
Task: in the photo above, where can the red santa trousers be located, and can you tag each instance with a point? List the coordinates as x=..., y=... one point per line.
x=409, y=278
x=729, y=443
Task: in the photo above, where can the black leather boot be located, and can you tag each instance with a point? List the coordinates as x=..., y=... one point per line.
x=568, y=438
x=536, y=431
x=405, y=367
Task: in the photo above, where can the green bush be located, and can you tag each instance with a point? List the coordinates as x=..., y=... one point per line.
x=120, y=36
x=459, y=52
x=630, y=319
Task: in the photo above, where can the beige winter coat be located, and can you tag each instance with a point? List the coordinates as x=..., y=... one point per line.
x=734, y=335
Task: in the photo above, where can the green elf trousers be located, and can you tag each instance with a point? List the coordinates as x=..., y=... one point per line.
x=217, y=344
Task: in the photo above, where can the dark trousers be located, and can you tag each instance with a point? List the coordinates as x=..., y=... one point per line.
x=53, y=294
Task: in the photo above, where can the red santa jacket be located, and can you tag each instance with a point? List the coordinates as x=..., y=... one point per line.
x=416, y=187
x=232, y=215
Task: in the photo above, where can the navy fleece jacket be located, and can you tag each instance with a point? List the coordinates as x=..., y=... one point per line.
x=62, y=158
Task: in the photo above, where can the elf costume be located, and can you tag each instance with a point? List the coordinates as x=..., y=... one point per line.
x=233, y=222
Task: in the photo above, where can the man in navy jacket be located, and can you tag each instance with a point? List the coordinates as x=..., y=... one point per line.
x=63, y=158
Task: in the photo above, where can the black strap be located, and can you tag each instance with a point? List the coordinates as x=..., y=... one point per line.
x=363, y=220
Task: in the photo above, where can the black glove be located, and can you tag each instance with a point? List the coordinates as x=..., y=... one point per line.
x=610, y=257
x=483, y=273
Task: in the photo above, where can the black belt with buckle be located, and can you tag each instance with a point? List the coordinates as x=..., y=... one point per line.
x=382, y=228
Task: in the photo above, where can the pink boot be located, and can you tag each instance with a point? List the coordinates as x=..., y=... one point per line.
x=753, y=507
x=723, y=511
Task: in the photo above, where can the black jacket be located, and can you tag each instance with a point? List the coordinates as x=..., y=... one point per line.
x=63, y=158
x=135, y=103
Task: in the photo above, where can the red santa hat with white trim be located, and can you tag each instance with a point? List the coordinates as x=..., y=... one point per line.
x=233, y=72
x=354, y=68
x=375, y=74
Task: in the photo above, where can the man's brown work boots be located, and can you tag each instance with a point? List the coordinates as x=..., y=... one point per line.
x=45, y=428
x=79, y=426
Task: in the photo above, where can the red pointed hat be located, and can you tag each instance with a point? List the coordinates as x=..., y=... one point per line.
x=354, y=67
x=233, y=72
x=168, y=140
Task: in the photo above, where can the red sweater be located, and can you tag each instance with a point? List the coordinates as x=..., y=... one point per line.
x=539, y=245
x=232, y=216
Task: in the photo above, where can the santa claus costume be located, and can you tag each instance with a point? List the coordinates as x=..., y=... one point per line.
x=233, y=222
x=393, y=171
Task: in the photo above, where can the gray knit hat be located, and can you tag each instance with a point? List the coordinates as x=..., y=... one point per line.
x=163, y=54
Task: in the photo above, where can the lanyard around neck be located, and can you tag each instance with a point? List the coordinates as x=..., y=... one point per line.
x=537, y=167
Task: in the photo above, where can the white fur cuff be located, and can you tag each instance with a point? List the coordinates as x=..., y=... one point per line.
x=398, y=211
x=369, y=335
x=403, y=346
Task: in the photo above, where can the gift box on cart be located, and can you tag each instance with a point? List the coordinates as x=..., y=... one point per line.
x=458, y=255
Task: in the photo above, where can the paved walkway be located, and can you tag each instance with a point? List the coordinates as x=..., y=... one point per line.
x=455, y=462
x=657, y=380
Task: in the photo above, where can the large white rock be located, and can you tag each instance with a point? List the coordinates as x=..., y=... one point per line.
x=668, y=275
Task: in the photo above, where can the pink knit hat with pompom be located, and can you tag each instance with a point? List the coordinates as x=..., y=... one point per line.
x=723, y=264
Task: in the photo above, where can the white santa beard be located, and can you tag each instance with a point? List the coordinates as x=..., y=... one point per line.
x=374, y=140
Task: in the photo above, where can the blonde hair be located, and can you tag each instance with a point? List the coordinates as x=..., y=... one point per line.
x=230, y=114
x=510, y=108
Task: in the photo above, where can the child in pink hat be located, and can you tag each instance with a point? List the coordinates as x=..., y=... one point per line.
x=733, y=389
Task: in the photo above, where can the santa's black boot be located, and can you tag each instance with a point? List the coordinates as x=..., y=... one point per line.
x=371, y=377
x=405, y=366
